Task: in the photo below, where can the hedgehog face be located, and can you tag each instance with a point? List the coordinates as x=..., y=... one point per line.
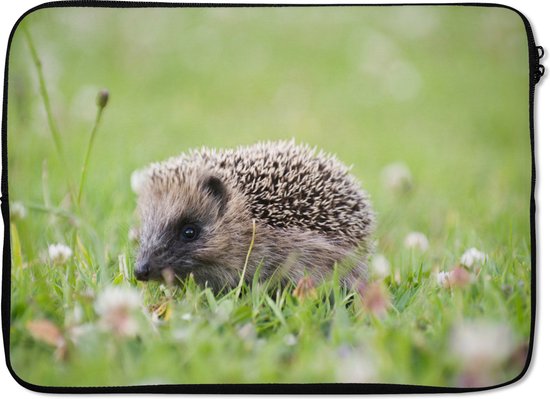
x=187, y=221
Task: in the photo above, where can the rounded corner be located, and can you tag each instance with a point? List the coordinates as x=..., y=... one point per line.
x=28, y=12
x=514, y=11
x=527, y=365
x=519, y=377
x=21, y=381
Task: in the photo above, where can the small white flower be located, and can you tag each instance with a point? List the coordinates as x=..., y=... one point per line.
x=138, y=179
x=59, y=254
x=74, y=316
x=181, y=334
x=290, y=340
x=78, y=332
x=223, y=311
x=458, y=277
x=155, y=319
x=480, y=343
x=443, y=279
x=416, y=240
x=473, y=256
x=133, y=234
x=397, y=277
x=356, y=368
x=187, y=316
x=116, y=307
x=380, y=266
x=247, y=332
x=397, y=177
x=18, y=211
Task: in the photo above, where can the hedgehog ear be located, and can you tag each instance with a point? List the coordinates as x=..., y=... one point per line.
x=217, y=189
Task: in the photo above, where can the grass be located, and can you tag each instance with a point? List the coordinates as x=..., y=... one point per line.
x=447, y=96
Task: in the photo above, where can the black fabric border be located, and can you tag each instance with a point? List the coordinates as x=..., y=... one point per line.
x=314, y=388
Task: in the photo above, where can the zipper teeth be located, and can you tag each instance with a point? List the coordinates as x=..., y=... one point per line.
x=539, y=72
x=533, y=52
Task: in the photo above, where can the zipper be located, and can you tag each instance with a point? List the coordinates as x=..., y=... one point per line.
x=539, y=68
x=535, y=54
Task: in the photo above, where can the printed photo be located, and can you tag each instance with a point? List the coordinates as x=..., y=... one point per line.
x=260, y=195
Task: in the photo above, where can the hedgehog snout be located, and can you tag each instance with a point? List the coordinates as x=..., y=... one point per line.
x=155, y=263
x=142, y=270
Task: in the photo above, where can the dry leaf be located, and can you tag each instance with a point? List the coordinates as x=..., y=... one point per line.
x=459, y=277
x=45, y=331
x=374, y=298
x=163, y=310
x=305, y=289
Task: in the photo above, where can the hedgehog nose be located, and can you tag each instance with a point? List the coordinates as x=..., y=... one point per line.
x=142, y=270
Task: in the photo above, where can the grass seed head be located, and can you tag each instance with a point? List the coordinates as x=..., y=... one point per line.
x=102, y=98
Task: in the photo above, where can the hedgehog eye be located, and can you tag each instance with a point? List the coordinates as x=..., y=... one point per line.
x=189, y=232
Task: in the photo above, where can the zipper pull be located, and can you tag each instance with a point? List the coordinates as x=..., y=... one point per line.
x=539, y=68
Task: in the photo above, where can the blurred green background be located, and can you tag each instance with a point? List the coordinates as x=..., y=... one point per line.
x=442, y=89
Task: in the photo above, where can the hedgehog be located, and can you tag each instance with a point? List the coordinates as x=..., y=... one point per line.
x=279, y=209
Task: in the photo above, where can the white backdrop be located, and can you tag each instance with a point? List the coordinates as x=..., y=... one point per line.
x=538, y=13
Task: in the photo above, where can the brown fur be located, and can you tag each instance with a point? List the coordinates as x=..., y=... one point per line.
x=224, y=199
